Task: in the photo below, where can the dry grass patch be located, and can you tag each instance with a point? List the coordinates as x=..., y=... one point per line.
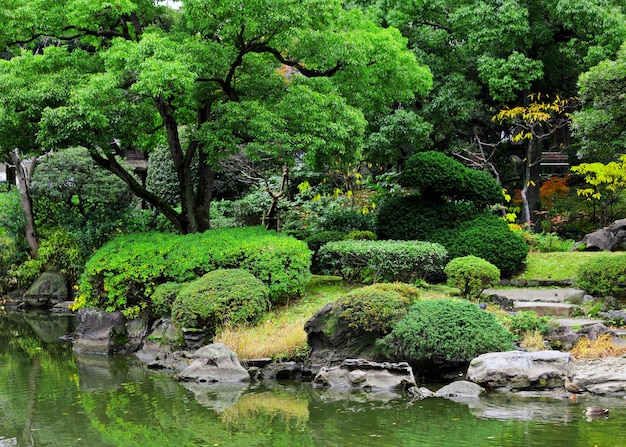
x=602, y=347
x=533, y=341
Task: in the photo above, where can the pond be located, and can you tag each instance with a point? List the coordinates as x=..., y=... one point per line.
x=51, y=397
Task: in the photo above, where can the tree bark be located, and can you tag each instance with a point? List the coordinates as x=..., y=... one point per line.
x=24, y=174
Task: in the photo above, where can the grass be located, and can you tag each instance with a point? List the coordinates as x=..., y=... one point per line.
x=556, y=266
x=281, y=334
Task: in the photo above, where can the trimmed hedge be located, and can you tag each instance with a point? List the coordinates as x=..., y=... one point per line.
x=445, y=331
x=376, y=308
x=123, y=274
x=221, y=297
x=603, y=276
x=436, y=175
x=364, y=260
x=490, y=238
x=472, y=275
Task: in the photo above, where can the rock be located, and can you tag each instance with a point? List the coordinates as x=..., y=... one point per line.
x=605, y=376
x=281, y=371
x=47, y=290
x=332, y=341
x=460, y=390
x=63, y=307
x=618, y=316
x=419, y=393
x=100, y=332
x=137, y=330
x=565, y=337
x=214, y=363
x=611, y=238
x=360, y=374
x=517, y=370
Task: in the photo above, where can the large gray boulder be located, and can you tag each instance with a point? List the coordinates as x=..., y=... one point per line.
x=332, y=341
x=215, y=363
x=460, y=390
x=611, y=238
x=360, y=374
x=100, y=332
x=518, y=370
x=604, y=376
x=47, y=290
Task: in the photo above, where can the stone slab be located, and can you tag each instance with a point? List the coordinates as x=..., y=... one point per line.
x=546, y=309
x=558, y=295
x=576, y=322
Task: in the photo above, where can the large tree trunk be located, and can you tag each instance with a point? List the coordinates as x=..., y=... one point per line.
x=24, y=171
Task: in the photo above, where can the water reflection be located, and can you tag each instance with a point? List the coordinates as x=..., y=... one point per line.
x=51, y=397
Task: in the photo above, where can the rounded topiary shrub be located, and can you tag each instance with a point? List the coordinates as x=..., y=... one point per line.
x=472, y=275
x=375, y=308
x=603, y=275
x=490, y=238
x=228, y=296
x=163, y=298
x=445, y=331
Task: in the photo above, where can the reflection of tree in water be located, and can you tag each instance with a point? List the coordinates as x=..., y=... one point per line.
x=26, y=358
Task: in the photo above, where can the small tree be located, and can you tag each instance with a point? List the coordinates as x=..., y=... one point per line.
x=605, y=184
x=535, y=123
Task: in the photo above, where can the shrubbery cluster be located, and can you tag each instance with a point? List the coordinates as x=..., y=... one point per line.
x=472, y=275
x=445, y=331
x=221, y=297
x=125, y=272
x=366, y=261
x=603, y=276
x=376, y=308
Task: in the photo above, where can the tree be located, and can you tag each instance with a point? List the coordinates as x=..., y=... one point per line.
x=605, y=185
x=534, y=124
x=599, y=125
x=488, y=53
x=31, y=81
x=278, y=79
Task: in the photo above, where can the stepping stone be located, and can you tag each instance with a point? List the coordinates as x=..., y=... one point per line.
x=559, y=295
x=576, y=322
x=546, y=309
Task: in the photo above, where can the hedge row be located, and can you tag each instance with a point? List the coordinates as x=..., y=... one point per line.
x=379, y=261
x=123, y=274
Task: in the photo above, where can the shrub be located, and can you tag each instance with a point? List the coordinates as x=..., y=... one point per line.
x=361, y=235
x=222, y=297
x=58, y=251
x=348, y=219
x=124, y=272
x=603, y=276
x=445, y=331
x=526, y=321
x=163, y=298
x=363, y=260
x=70, y=191
x=472, y=275
x=436, y=176
x=375, y=308
x=317, y=240
x=490, y=238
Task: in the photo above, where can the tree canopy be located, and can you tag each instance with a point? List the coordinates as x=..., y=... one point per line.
x=276, y=79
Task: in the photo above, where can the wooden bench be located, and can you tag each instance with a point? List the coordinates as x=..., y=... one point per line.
x=554, y=159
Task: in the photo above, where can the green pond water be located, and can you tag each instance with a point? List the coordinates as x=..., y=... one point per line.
x=51, y=397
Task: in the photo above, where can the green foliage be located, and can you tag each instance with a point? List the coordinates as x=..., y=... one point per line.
x=58, y=252
x=605, y=185
x=12, y=219
x=71, y=192
x=472, y=275
x=547, y=242
x=222, y=297
x=375, y=308
x=361, y=235
x=363, y=260
x=525, y=321
x=445, y=331
x=437, y=176
x=317, y=240
x=408, y=218
x=163, y=298
x=123, y=273
x=603, y=275
x=491, y=239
